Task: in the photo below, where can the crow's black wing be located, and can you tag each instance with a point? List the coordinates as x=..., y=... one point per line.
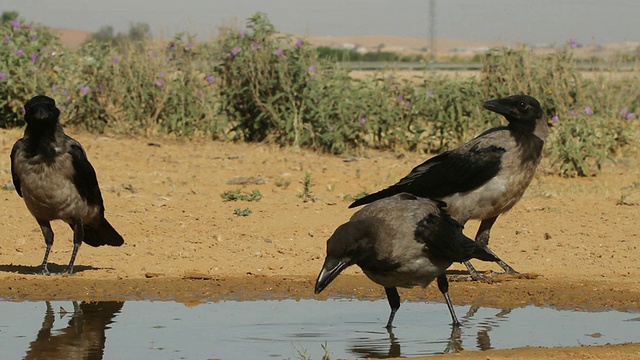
x=443, y=237
x=84, y=176
x=459, y=170
x=16, y=179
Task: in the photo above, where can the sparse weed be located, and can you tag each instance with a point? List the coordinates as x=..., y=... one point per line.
x=626, y=192
x=238, y=195
x=242, y=212
x=282, y=182
x=306, y=194
x=352, y=198
x=303, y=353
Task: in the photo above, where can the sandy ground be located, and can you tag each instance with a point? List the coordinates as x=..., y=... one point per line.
x=576, y=245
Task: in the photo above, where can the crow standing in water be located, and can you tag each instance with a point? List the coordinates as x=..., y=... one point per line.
x=485, y=177
x=400, y=241
x=51, y=173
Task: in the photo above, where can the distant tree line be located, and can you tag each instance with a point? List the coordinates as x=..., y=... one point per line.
x=333, y=54
x=138, y=32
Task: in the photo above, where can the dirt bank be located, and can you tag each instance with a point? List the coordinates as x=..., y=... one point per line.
x=184, y=242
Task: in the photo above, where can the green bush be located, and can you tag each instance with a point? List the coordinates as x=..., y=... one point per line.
x=590, y=118
x=256, y=84
x=148, y=88
x=265, y=81
x=32, y=60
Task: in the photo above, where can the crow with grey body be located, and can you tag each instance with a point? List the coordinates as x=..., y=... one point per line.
x=485, y=177
x=400, y=241
x=51, y=173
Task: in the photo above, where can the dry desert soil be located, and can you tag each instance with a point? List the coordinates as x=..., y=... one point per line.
x=574, y=241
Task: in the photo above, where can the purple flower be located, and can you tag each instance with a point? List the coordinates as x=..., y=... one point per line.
x=298, y=44
x=278, y=51
x=159, y=83
x=7, y=38
x=363, y=120
x=115, y=60
x=15, y=24
x=407, y=105
x=3, y=76
x=33, y=38
x=54, y=88
x=172, y=47
x=573, y=43
x=626, y=114
x=312, y=68
x=255, y=45
x=555, y=119
x=33, y=57
x=241, y=33
x=430, y=93
x=236, y=50
x=19, y=52
x=588, y=110
x=572, y=113
x=30, y=27
x=84, y=90
x=400, y=98
x=211, y=79
x=162, y=74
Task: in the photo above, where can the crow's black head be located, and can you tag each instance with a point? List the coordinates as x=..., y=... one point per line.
x=522, y=111
x=350, y=243
x=41, y=110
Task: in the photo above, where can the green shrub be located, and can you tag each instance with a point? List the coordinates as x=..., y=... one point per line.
x=149, y=88
x=32, y=61
x=256, y=84
x=235, y=195
x=592, y=119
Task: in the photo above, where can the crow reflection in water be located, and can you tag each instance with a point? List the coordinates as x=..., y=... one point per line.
x=84, y=337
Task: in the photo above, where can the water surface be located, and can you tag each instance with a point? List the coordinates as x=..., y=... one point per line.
x=288, y=328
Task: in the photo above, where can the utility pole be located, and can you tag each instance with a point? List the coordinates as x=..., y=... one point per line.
x=432, y=29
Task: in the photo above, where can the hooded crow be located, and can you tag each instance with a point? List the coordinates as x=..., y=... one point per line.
x=51, y=173
x=400, y=241
x=485, y=177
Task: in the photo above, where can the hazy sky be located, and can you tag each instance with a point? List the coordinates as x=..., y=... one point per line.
x=531, y=21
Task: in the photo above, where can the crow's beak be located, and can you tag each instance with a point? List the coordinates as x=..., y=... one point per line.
x=330, y=269
x=497, y=107
x=41, y=113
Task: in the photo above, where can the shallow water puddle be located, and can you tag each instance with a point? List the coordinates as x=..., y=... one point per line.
x=288, y=329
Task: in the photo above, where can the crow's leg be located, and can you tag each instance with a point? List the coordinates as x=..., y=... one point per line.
x=394, y=303
x=482, y=239
x=45, y=227
x=78, y=236
x=443, y=286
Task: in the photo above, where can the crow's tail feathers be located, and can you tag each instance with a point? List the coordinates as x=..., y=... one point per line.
x=483, y=254
x=385, y=193
x=103, y=234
